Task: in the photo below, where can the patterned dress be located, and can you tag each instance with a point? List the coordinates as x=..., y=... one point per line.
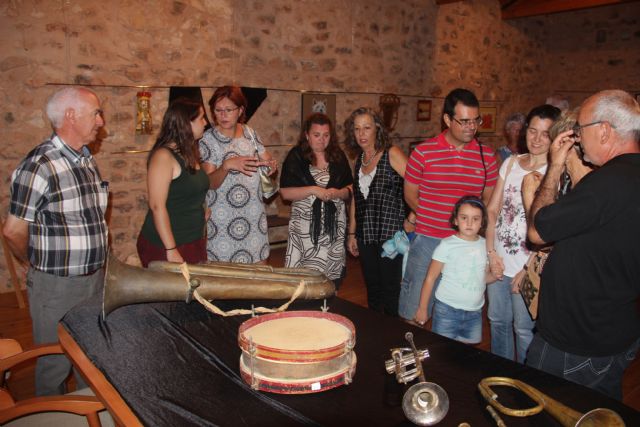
x=237, y=227
x=326, y=256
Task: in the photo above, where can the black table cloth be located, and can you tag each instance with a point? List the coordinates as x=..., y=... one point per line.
x=176, y=364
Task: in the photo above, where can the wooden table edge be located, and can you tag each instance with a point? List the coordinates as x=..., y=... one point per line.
x=108, y=395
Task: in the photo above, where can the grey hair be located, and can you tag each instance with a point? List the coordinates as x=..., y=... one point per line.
x=620, y=109
x=59, y=102
x=558, y=102
x=516, y=118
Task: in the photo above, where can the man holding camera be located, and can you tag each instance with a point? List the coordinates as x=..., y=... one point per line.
x=588, y=324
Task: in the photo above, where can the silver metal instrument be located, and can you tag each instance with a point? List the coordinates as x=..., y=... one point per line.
x=424, y=403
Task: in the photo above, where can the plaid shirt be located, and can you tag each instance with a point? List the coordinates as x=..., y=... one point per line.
x=61, y=194
x=382, y=213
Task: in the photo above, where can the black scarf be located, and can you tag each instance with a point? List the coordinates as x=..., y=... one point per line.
x=296, y=173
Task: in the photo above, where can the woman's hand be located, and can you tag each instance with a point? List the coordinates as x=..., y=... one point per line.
x=246, y=165
x=272, y=165
x=496, y=265
x=352, y=245
x=421, y=316
x=173, y=255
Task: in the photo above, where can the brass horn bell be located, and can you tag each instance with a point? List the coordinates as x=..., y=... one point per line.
x=162, y=281
x=563, y=414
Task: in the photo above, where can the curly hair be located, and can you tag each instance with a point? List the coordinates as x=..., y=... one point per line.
x=351, y=143
x=333, y=150
x=176, y=129
x=471, y=201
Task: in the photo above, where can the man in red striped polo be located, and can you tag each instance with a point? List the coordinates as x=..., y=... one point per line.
x=439, y=172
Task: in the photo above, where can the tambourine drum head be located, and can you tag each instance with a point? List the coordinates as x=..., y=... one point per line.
x=297, y=351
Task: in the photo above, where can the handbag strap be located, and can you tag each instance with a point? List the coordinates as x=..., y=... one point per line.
x=252, y=135
x=512, y=161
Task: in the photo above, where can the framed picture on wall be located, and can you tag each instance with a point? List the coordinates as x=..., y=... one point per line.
x=424, y=110
x=488, y=115
x=318, y=103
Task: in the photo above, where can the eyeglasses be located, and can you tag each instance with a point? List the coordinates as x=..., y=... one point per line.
x=577, y=128
x=224, y=110
x=467, y=123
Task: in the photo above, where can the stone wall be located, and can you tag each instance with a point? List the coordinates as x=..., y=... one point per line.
x=357, y=50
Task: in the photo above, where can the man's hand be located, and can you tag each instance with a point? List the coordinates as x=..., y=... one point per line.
x=530, y=185
x=559, y=149
x=16, y=234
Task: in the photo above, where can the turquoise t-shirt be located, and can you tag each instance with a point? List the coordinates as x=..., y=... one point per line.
x=463, y=283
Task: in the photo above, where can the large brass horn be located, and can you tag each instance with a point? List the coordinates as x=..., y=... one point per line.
x=125, y=284
x=563, y=414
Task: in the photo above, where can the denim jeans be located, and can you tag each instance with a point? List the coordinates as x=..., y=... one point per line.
x=603, y=374
x=508, y=313
x=460, y=325
x=418, y=261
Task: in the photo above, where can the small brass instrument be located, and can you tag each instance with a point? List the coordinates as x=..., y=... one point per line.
x=424, y=403
x=563, y=414
x=162, y=281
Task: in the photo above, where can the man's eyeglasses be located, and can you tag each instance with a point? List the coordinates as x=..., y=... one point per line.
x=577, y=128
x=467, y=123
x=221, y=111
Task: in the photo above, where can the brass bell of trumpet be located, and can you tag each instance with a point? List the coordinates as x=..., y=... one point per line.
x=162, y=281
x=563, y=414
x=424, y=403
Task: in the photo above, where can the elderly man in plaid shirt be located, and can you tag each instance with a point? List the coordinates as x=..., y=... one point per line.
x=56, y=223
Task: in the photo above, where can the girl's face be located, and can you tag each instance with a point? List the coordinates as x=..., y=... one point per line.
x=364, y=130
x=197, y=125
x=227, y=113
x=538, y=140
x=469, y=222
x=318, y=137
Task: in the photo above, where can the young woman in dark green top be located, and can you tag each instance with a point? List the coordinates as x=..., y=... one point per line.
x=174, y=228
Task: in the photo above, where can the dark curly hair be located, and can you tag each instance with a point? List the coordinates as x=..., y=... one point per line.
x=176, y=129
x=350, y=142
x=471, y=201
x=333, y=150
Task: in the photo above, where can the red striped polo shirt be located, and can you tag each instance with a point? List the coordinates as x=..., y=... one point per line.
x=443, y=175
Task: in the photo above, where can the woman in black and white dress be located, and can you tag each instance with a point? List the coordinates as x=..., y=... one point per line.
x=316, y=178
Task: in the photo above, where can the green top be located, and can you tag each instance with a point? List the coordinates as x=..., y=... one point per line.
x=185, y=204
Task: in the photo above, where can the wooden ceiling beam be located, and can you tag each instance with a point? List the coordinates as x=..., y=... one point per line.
x=521, y=8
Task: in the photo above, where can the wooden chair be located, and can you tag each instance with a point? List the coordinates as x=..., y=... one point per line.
x=8, y=256
x=11, y=354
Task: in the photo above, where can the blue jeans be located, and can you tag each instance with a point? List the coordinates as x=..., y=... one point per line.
x=460, y=325
x=507, y=312
x=603, y=374
x=420, y=253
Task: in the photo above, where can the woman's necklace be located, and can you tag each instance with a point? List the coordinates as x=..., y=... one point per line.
x=365, y=163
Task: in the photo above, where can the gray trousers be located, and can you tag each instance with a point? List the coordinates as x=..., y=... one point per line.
x=50, y=298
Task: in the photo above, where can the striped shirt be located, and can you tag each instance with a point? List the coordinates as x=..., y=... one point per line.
x=443, y=175
x=60, y=193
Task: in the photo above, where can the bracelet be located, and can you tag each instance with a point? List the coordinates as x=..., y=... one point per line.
x=410, y=222
x=492, y=251
x=170, y=249
x=351, y=234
